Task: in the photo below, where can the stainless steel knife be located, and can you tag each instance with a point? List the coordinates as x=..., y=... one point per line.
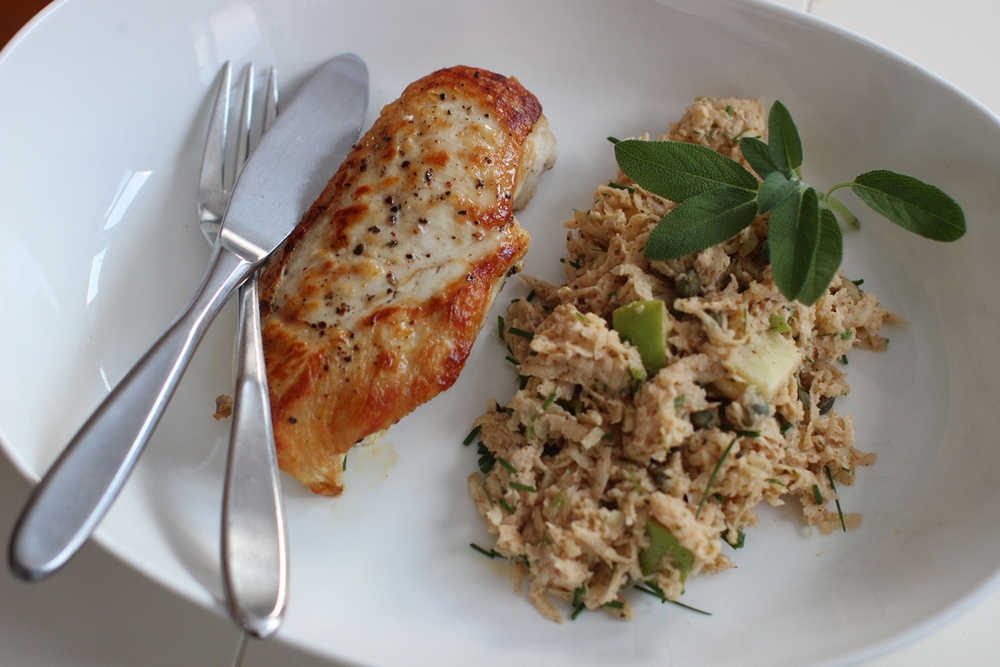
x=285, y=174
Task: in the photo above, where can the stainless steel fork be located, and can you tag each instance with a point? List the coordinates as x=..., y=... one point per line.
x=254, y=548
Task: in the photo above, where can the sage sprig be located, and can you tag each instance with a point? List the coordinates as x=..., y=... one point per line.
x=717, y=198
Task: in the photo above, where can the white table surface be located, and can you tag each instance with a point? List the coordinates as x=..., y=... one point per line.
x=100, y=612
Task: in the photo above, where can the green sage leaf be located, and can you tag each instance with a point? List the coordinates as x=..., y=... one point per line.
x=912, y=204
x=758, y=155
x=774, y=190
x=678, y=170
x=700, y=222
x=783, y=139
x=793, y=237
x=842, y=211
x=829, y=254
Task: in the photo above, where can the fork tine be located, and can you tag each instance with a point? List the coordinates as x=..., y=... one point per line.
x=271, y=101
x=213, y=170
x=246, y=118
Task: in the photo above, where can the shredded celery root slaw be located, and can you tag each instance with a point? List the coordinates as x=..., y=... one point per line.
x=660, y=402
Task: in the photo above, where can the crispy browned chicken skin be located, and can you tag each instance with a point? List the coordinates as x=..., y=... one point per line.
x=373, y=303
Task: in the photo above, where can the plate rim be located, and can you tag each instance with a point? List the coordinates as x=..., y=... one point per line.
x=767, y=8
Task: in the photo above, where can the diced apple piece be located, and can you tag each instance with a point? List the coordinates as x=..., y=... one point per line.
x=645, y=324
x=766, y=362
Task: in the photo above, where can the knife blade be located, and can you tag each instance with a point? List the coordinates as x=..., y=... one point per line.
x=284, y=175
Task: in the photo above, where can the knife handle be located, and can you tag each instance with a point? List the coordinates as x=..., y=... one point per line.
x=254, y=552
x=76, y=492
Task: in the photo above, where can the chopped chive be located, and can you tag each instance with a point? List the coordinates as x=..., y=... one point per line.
x=580, y=316
x=473, y=434
x=515, y=299
x=679, y=401
x=833, y=487
x=549, y=401
x=786, y=427
x=521, y=332
x=578, y=604
x=843, y=359
x=711, y=479
x=500, y=327
x=635, y=481
x=507, y=508
x=523, y=487
x=771, y=480
x=657, y=592
x=729, y=109
x=491, y=554
x=746, y=434
x=529, y=432
x=578, y=594
x=847, y=334
x=690, y=608
x=506, y=464
x=511, y=359
x=531, y=296
x=523, y=381
x=859, y=282
x=817, y=496
x=614, y=604
x=617, y=186
x=826, y=335
x=574, y=264
x=345, y=462
x=608, y=436
x=718, y=496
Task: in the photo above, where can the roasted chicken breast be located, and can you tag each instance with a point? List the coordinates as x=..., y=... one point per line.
x=372, y=305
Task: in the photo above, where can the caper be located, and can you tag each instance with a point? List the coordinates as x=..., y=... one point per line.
x=688, y=284
x=705, y=418
x=661, y=477
x=805, y=398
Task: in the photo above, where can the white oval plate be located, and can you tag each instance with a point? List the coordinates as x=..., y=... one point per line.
x=104, y=117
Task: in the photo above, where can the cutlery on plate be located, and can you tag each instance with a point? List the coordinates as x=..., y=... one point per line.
x=253, y=542
x=284, y=175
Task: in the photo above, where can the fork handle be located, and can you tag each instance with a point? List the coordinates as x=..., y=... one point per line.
x=254, y=555
x=66, y=506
